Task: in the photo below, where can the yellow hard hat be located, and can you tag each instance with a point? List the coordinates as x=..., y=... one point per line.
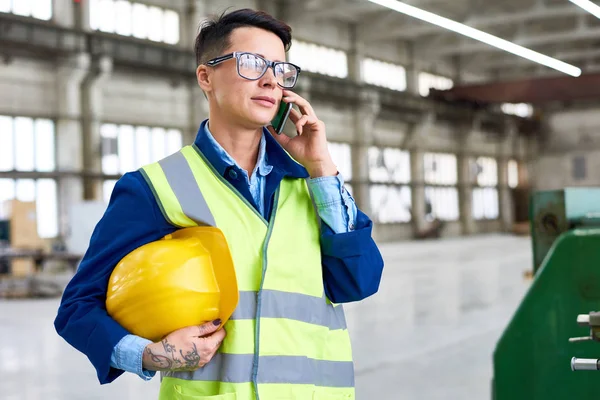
x=187, y=278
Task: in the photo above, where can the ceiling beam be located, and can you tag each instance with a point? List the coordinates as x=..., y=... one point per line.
x=535, y=91
x=578, y=55
x=420, y=29
x=528, y=41
x=524, y=73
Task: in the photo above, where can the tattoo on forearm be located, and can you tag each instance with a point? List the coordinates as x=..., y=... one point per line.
x=160, y=361
x=170, y=361
x=169, y=348
x=192, y=358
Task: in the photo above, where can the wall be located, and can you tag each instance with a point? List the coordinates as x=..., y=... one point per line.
x=569, y=135
x=140, y=99
x=28, y=88
x=32, y=88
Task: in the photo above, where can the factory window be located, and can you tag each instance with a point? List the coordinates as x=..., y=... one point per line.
x=441, y=194
x=383, y=74
x=440, y=169
x=40, y=9
x=523, y=110
x=486, y=171
x=134, y=19
x=390, y=203
x=342, y=157
x=485, y=203
x=513, y=174
x=441, y=203
x=485, y=197
x=319, y=59
x=429, y=81
x=28, y=146
x=389, y=165
x=390, y=197
x=126, y=148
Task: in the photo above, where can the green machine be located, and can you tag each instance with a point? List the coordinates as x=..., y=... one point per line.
x=553, y=331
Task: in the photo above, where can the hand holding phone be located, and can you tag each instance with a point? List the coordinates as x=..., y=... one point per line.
x=282, y=116
x=309, y=146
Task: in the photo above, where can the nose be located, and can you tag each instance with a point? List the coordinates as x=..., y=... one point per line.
x=268, y=79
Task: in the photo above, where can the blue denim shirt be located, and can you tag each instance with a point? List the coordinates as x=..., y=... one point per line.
x=334, y=205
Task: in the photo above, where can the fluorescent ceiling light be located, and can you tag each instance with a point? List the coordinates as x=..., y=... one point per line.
x=588, y=6
x=480, y=35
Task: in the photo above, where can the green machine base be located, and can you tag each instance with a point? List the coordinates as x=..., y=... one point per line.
x=533, y=358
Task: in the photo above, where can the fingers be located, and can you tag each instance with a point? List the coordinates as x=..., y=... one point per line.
x=207, y=328
x=208, y=346
x=302, y=103
x=301, y=122
x=282, y=139
x=295, y=115
x=214, y=341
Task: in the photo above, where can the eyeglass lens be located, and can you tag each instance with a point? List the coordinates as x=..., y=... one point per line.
x=252, y=67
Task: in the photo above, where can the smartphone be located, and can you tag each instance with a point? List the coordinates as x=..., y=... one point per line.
x=281, y=117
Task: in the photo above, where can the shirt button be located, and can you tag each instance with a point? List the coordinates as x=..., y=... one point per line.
x=351, y=226
x=233, y=174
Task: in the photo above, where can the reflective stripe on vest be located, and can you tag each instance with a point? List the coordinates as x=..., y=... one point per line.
x=299, y=307
x=192, y=209
x=284, y=330
x=237, y=368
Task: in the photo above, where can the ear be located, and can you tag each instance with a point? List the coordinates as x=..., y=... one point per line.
x=203, y=78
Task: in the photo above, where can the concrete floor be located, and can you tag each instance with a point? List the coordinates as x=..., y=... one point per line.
x=428, y=334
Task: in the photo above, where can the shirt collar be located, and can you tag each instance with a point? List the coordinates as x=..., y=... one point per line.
x=270, y=155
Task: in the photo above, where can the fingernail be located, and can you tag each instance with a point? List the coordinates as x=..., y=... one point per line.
x=217, y=322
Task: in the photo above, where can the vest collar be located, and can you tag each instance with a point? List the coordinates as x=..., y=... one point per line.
x=275, y=154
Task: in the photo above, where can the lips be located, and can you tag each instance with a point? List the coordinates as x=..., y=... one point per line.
x=265, y=98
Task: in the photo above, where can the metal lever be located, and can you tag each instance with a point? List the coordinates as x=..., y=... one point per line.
x=580, y=339
x=583, y=320
x=585, y=364
x=591, y=321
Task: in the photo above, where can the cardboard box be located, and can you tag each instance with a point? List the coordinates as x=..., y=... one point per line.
x=23, y=225
x=22, y=267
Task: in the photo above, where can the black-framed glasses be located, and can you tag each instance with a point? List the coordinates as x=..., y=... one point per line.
x=252, y=67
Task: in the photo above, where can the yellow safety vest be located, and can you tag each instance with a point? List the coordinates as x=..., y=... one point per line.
x=285, y=340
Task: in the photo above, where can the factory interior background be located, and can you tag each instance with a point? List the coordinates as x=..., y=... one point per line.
x=469, y=131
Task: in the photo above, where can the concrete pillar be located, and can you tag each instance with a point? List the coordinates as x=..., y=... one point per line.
x=64, y=12
x=194, y=14
x=412, y=72
x=82, y=15
x=364, y=124
x=505, y=199
x=70, y=72
x=412, y=80
x=273, y=7
x=355, y=56
x=198, y=113
x=91, y=105
x=417, y=172
x=467, y=177
x=414, y=143
x=465, y=193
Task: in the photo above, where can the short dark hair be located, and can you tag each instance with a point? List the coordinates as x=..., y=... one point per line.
x=215, y=33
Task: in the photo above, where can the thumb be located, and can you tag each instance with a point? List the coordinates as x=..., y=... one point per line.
x=207, y=328
x=282, y=139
